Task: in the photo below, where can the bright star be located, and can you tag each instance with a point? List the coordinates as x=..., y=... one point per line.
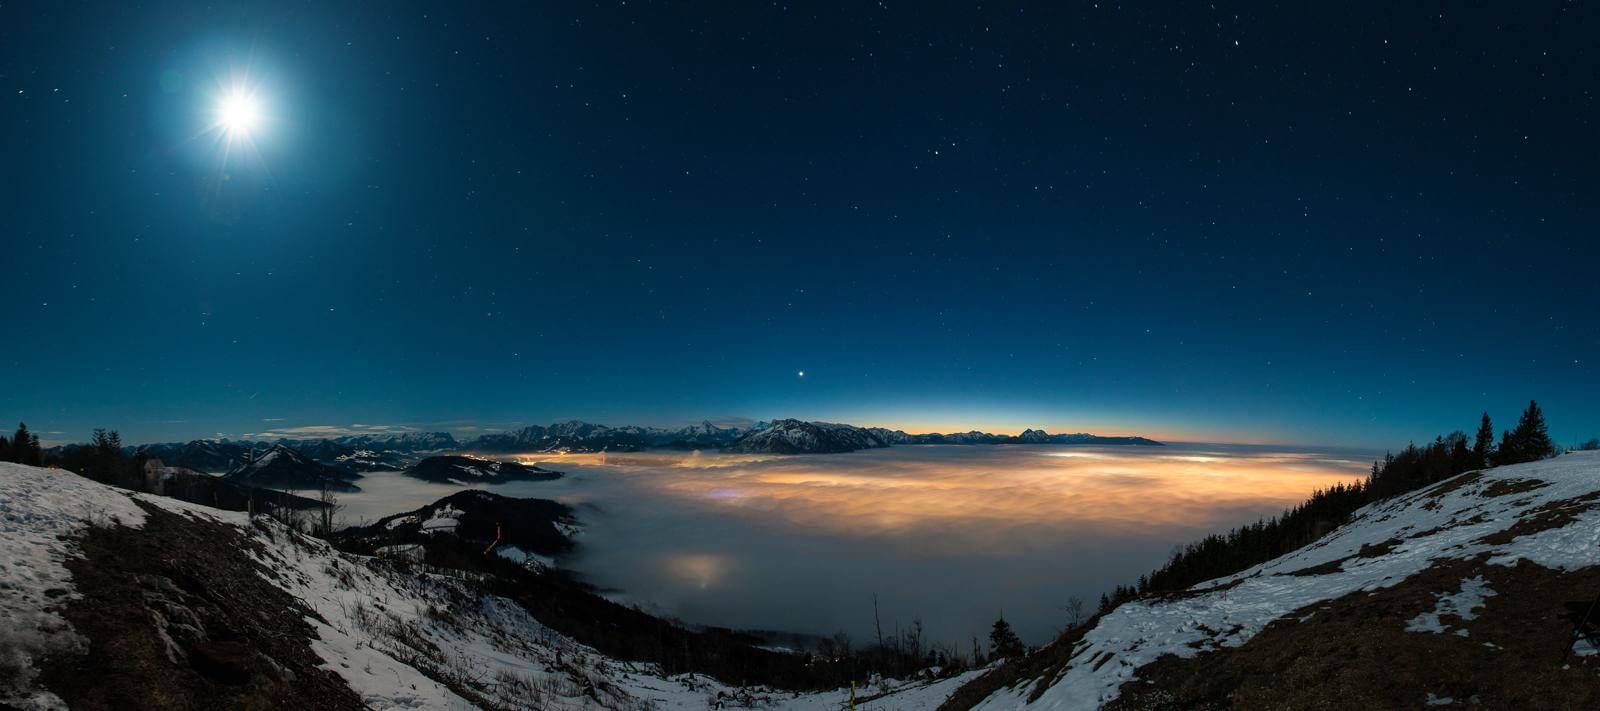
x=800, y=374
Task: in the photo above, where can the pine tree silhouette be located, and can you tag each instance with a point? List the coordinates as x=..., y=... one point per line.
x=1003, y=642
x=1483, y=446
x=25, y=446
x=1529, y=442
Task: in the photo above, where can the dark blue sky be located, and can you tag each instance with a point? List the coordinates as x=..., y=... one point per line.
x=1324, y=224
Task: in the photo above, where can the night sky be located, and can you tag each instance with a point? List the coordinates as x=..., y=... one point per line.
x=1326, y=223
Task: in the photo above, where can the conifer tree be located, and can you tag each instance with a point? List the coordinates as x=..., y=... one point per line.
x=1483, y=446
x=1003, y=642
x=1530, y=441
x=25, y=446
x=20, y=448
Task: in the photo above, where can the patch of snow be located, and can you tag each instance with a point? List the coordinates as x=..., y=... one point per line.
x=443, y=520
x=399, y=521
x=1461, y=604
x=1584, y=648
x=1439, y=700
x=525, y=558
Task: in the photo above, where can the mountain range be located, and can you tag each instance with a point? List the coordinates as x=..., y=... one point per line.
x=397, y=452
x=579, y=436
x=784, y=436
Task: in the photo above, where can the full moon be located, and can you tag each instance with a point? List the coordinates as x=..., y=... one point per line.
x=238, y=114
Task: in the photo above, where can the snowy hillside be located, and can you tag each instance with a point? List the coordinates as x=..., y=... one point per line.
x=208, y=608
x=1440, y=593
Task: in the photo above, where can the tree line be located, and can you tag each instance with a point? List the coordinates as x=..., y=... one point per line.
x=22, y=447
x=1412, y=468
x=102, y=459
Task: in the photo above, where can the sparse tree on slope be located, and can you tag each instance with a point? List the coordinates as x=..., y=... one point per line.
x=330, y=507
x=1003, y=642
x=1076, y=612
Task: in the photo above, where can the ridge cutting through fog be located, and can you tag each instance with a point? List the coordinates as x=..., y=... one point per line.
x=953, y=535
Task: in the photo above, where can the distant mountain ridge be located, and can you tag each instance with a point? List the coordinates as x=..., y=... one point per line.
x=801, y=437
x=284, y=468
x=579, y=436
x=221, y=455
x=397, y=452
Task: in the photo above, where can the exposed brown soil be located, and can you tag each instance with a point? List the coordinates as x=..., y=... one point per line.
x=1480, y=518
x=1332, y=566
x=1555, y=514
x=1450, y=485
x=178, y=616
x=1369, y=550
x=1355, y=653
x=1506, y=487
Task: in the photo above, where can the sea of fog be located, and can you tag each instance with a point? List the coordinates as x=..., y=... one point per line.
x=953, y=536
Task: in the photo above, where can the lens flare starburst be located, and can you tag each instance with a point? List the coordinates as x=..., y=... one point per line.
x=238, y=114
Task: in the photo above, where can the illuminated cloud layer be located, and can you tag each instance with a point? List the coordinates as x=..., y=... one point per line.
x=949, y=534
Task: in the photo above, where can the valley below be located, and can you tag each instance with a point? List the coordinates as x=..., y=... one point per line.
x=950, y=537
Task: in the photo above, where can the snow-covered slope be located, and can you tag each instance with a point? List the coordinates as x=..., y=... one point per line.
x=397, y=638
x=1543, y=513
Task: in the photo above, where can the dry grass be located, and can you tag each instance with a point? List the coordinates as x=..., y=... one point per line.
x=1555, y=514
x=1354, y=652
x=1507, y=487
x=178, y=616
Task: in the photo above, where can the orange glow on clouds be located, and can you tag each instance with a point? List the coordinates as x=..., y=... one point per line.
x=980, y=497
